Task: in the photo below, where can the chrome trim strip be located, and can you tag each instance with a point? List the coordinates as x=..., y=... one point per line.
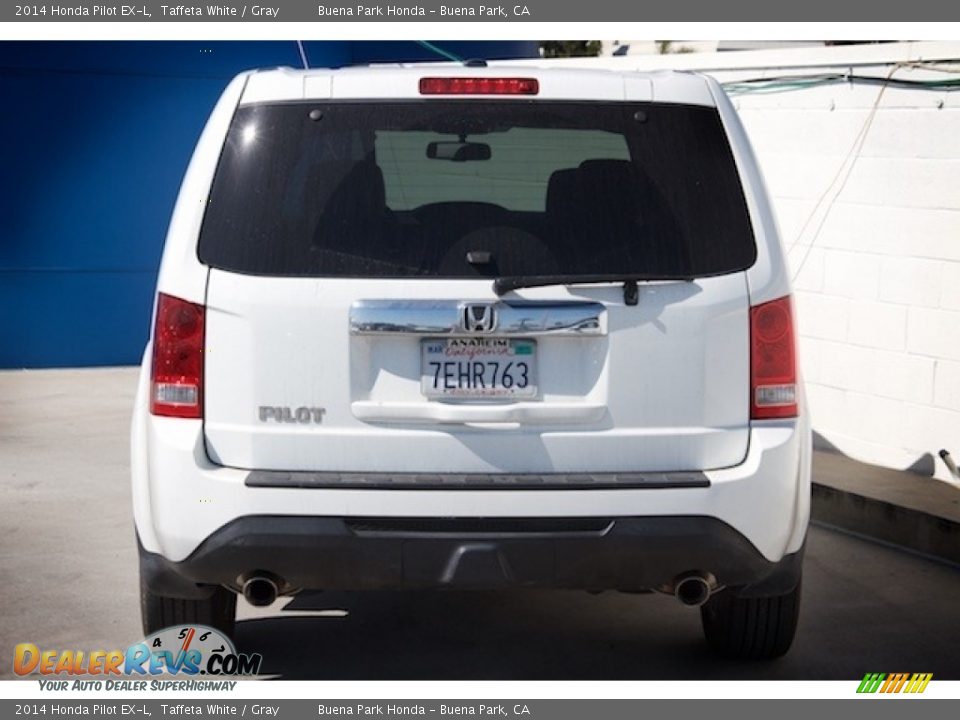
x=445, y=317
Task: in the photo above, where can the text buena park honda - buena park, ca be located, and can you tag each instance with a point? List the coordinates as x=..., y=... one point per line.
x=416, y=709
x=420, y=11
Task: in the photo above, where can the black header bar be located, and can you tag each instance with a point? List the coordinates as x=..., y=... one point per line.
x=510, y=11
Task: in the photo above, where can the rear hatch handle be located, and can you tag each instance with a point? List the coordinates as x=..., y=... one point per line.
x=522, y=413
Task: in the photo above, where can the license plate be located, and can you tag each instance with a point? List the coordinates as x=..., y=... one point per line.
x=478, y=368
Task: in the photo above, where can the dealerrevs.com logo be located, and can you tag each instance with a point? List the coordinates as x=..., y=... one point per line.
x=179, y=650
x=894, y=683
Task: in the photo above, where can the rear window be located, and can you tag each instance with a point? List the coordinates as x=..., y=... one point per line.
x=460, y=189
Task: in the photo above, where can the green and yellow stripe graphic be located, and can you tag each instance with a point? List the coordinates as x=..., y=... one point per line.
x=894, y=682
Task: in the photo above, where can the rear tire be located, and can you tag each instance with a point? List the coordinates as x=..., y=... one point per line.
x=218, y=611
x=748, y=628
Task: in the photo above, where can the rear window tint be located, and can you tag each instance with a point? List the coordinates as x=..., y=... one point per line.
x=410, y=189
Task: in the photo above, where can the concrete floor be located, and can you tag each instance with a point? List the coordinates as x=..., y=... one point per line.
x=68, y=580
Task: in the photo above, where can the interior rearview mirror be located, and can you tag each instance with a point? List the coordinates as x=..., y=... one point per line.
x=458, y=151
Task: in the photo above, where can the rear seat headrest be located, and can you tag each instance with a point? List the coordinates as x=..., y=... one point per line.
x=563, y=189
x=609, y=171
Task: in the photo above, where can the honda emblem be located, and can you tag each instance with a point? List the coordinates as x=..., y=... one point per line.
x=478, y=318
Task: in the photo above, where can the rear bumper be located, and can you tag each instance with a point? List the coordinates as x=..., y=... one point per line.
x=181, y=499
x=336, y=553
x=184, y=504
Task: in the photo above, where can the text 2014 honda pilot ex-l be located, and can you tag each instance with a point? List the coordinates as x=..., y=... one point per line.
x=474, y=327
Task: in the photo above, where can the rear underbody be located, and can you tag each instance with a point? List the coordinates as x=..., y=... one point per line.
x=362, y=553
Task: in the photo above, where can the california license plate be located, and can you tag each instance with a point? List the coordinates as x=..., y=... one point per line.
x=478, y=368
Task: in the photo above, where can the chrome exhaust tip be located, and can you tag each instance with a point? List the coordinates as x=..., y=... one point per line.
x=692, y=590
x=260, y=590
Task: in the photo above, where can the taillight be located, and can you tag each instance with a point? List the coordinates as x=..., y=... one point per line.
x=773, y=360
x=478, y=86
x=176, y=379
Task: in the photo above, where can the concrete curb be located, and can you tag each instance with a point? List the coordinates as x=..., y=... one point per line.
x=898, y=507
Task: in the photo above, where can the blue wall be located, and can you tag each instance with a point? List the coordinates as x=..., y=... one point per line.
x=95, y=138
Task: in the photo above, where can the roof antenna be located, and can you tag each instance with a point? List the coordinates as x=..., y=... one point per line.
x=439, y=51
x=303, y=55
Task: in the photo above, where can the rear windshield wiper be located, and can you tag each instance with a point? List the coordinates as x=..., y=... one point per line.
x=630, y=292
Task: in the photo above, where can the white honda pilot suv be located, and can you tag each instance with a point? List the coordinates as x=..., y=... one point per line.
x=474, y=327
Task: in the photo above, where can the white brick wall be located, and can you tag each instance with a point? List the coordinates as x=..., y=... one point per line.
x=878, y=324
x=878, y=296
x=911, y=280
x=934, y=333
x=950, y=286
x=822, y=316
x=890, y=230
x=852, y=275
x=946, y=385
